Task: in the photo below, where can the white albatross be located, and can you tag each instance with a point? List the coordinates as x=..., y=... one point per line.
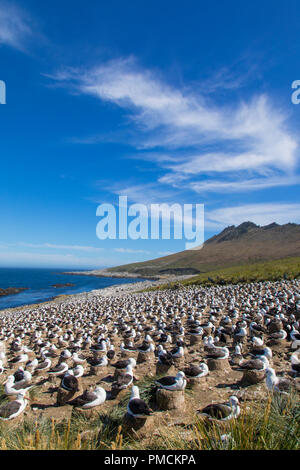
x=14, y=408
x=90, y=399
x=277, y=384
x=177, y=382
x=222, y=411
x=10, y=388
x=136, y=407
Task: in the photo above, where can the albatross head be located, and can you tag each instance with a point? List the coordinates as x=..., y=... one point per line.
x=10, y=379
x=270, y=372
x=132, y=361
x=233, y=400
x=135, y=393
x=257, y=341
x=180, y=375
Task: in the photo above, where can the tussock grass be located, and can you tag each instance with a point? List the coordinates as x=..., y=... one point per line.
x=267, y=425
x=271, y=425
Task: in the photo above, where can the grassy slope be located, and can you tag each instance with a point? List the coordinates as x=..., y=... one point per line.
x=232, y=247
x=288, y=268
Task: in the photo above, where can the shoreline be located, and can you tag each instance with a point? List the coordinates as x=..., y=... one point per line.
x=112, y=274
x=115, y=290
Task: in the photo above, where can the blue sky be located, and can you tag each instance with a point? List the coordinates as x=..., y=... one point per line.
x=161, y=101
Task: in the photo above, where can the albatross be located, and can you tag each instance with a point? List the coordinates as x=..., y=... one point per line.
x=122, y=364
x=19, y=359
x=259, y=349
x=78, y=359
x=22, y=377
x=255, y=364
x=111, y=352
x=295, y=364
x=14, y=408
x=44, y=365
x=123, y=380
x=146, y=347
x=90, y=399
x=99, y=362
x=136, y=407
x=218, y=353
x=172, y=383
x=222, y=411
x=128, y=347
x=69, y=382
x=177, y=352
x=277, y=384
x=10, y=388
x=295, y=337
x=195, y=371
x=78, y=371
x=59, y=369
x=164, y=357
x=278, y=335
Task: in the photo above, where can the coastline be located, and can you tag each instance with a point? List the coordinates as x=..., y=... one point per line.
x=115, y=290
x=113, y=274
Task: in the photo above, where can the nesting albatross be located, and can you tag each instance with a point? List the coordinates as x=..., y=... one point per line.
x=172, y=383
x=136, y=407
x=222, y=411
x=196, y=371
x=14, y=408
x=90, y=399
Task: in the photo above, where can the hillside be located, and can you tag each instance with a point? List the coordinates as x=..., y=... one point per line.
x=246, y=243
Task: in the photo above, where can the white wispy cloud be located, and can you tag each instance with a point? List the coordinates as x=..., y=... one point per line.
x=53, y=246
x=65, y=260
x=61, y=247
x=253, y=135
x=243, y=185
x=15, y=25
x=143, y=193
x=260, y=214
x=129, y=250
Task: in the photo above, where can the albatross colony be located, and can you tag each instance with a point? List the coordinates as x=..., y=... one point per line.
x=93, y=349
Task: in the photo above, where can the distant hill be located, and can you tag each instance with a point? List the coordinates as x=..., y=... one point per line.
x=234, y=246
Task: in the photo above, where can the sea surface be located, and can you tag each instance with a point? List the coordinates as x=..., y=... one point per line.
x=40, y=281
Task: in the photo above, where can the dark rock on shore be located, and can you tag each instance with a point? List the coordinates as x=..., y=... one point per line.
x=67, y=284
x=12, y=290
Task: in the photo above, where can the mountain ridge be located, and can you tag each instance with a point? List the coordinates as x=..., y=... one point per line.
x=233, y=246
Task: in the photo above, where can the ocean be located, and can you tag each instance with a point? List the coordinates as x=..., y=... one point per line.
x=40, y=285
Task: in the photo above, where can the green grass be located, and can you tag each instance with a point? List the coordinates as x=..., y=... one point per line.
x=272, y=424
x=287, y=268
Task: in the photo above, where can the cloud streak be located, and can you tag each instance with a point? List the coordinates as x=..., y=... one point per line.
x=37, y=259
x=191, y=130
x=53, y=246
x=15, y=28
x=261, y=214
x=61, y=247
